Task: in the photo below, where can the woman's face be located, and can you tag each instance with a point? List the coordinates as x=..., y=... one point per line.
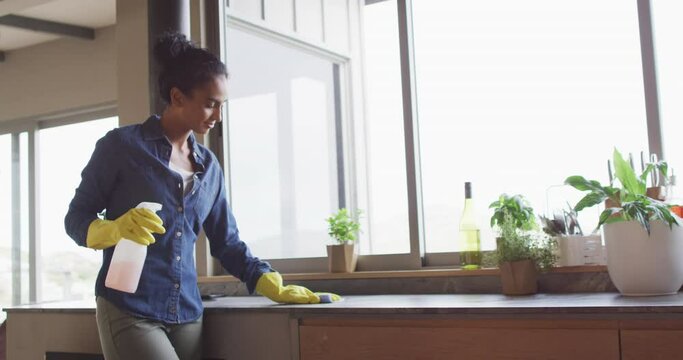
x=202, y=109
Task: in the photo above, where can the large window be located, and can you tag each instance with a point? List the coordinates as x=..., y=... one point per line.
x=68, y=271
x=284, y=162
x=511, y=96
x=515, y=96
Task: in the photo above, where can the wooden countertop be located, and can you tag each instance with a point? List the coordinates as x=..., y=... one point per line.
x=441, y=304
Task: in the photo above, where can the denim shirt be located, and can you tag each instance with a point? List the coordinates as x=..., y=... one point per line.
x=129, y=166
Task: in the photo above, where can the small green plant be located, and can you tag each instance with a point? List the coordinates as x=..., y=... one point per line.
x=514, y=244
x=628, y=202
x=343, y=225
x=517, y=207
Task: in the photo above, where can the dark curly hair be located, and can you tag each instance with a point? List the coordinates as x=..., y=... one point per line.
x=184, y=65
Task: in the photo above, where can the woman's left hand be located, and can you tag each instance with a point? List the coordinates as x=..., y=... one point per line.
x=270, y=285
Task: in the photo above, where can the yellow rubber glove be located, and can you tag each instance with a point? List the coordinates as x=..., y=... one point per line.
x=136, y=224
x=270, y=286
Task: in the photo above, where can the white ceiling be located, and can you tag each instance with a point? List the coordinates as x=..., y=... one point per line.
x=87, y=13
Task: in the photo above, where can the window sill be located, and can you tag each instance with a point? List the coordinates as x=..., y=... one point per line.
x=424, y=273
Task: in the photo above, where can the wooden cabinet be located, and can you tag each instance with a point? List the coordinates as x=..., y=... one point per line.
x=652, y=344
x=652, y=339
x=444, y=339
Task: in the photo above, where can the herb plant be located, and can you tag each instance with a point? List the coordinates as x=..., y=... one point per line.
x=514, y=244
x=517, y=207
x=343, y=226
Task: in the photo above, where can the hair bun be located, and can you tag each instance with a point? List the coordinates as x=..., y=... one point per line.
x=183, y=64
x=170, y=46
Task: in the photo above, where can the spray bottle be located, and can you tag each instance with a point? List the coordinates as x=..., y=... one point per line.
x=128, y=259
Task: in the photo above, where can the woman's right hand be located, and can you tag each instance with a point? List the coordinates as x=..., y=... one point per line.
x=136, y=224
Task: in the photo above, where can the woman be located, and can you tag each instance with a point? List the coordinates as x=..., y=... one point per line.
x=160, y=161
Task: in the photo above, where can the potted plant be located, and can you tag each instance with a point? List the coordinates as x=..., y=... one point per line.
x=643, y=239
x=573, y=247
x=517, y=208
x=343, y=227
x=520, y=250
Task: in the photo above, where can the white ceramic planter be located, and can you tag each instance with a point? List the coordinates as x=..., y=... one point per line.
x=642, y=265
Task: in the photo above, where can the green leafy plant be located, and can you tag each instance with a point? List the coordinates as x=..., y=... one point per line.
x=343, y=225
x=629, y=202
x=514, y=244
x=521, y=214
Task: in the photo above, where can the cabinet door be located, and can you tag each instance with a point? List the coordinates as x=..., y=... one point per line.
x=387, y=342
x=651, y=344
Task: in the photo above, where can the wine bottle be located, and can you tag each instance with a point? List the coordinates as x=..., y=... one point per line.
x=470, y=242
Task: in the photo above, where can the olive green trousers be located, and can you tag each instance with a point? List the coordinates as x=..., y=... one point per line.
x=124, y=336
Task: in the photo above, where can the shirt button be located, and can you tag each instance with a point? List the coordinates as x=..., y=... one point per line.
x=193, y=191
x=177, y=286
x=179, y=234
x=180, y=186
x=177, y=258
x=180, y=209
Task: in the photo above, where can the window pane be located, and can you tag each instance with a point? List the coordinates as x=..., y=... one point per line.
x=387, y=210
x=517, y=95
x=667, y=29
x=283, y=160
x=68, y=271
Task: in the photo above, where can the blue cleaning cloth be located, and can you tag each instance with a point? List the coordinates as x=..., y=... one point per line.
x=327, y=298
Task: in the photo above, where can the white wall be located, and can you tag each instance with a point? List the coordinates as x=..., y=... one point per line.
x=58, y=76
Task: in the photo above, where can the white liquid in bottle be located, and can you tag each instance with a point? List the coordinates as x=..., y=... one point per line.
x=128, y=259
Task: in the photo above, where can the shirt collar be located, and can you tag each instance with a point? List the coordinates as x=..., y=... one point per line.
x=151, y=130
x=199, y=159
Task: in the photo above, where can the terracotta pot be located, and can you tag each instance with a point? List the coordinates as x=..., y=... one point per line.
x=342, y=258
x=519, y=277
x=658, y=193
